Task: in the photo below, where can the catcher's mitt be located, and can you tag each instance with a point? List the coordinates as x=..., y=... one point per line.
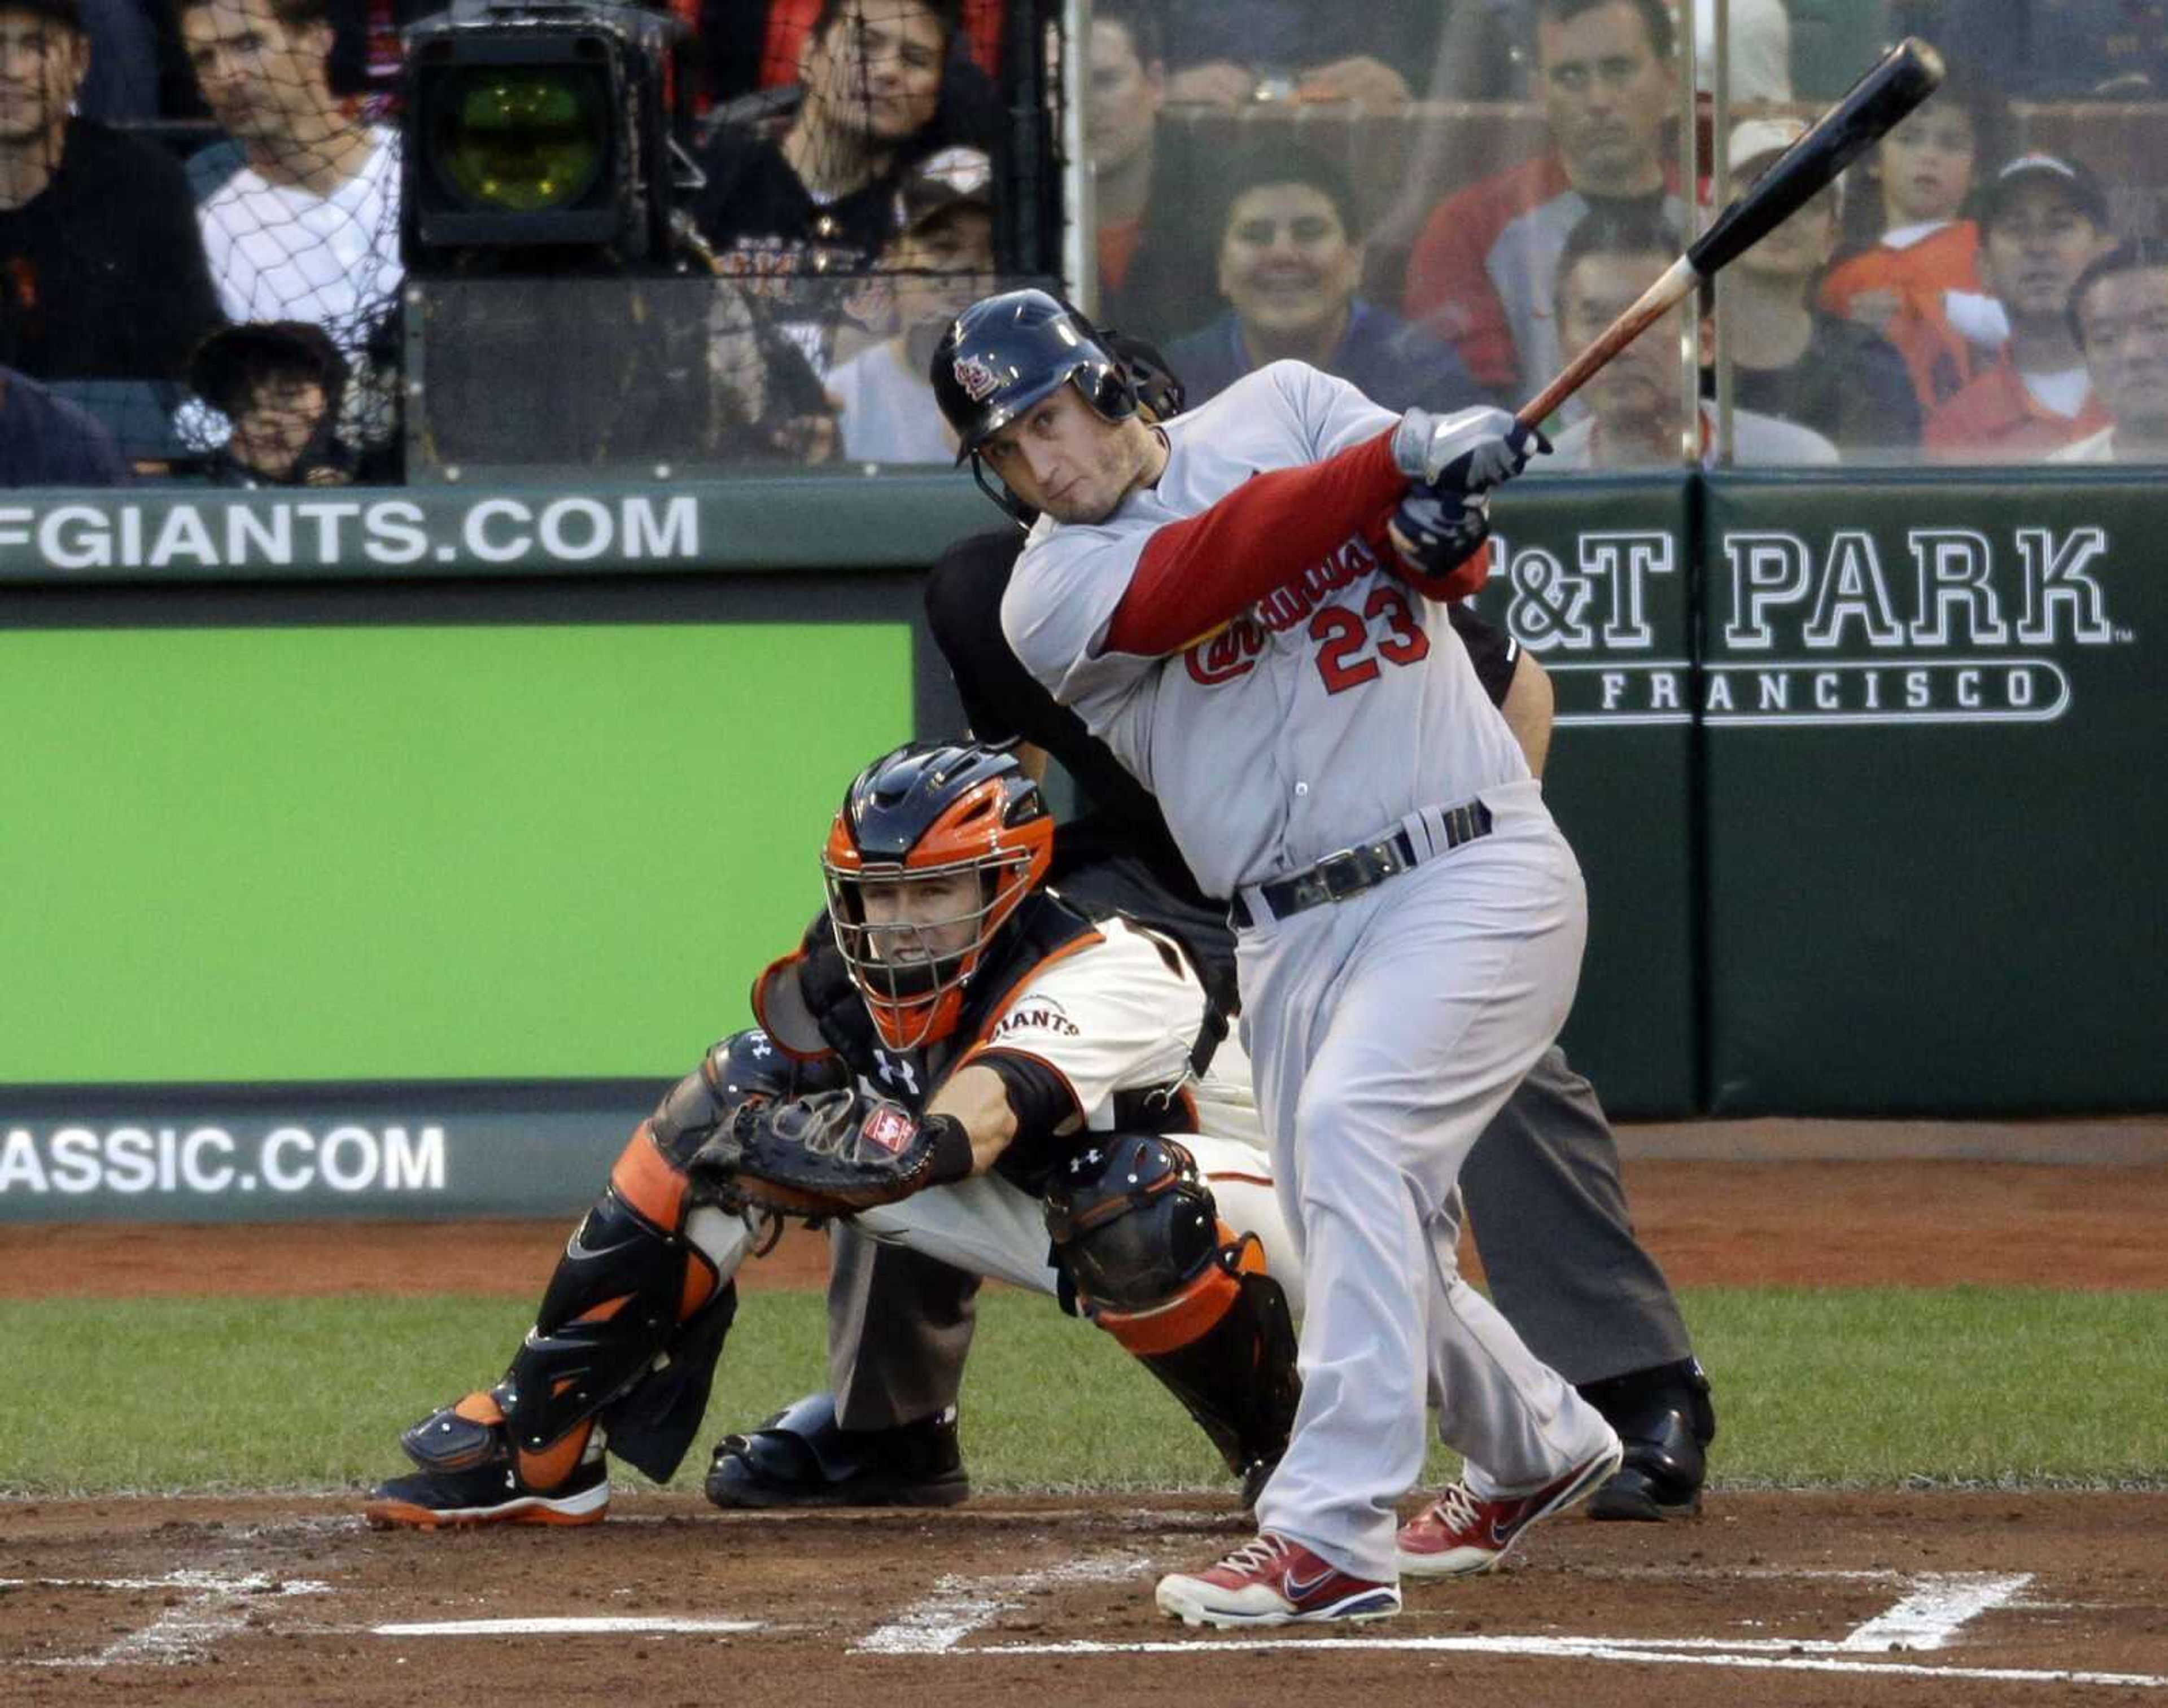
x=829, y=1154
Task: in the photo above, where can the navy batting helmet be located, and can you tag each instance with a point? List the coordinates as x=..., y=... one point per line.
x=1004, y=353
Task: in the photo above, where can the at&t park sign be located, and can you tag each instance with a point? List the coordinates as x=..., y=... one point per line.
x=1922, y=625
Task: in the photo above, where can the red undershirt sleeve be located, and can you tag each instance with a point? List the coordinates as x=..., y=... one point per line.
x=1198, y=573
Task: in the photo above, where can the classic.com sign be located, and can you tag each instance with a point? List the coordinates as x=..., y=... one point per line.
x=193, y=536
x=210, y=1161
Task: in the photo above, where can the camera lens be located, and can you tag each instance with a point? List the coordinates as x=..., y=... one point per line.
x=524, y=139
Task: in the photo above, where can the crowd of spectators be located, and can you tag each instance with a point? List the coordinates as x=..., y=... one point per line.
x=1920, y=309
x=201, y=247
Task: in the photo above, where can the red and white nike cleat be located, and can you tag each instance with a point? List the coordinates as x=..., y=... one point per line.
x=1273, y=1581
x=1459, y=1535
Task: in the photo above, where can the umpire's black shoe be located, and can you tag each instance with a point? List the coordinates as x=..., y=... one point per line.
x=1665, y=1420
x=802, y=1456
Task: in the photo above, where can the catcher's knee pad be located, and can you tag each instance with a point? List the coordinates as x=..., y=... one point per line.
x=1135, y=1228
x=744, y=1068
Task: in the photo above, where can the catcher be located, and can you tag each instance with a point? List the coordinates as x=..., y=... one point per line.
x=962, y=1062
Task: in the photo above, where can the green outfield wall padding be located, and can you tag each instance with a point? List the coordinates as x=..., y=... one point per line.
x=1934, y=736
x=359, y=853
x=393, y=826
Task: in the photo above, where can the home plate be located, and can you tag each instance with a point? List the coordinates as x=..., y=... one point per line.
x=566, y=1627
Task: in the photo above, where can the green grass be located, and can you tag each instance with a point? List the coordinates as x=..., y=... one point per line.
x=1860, y=1386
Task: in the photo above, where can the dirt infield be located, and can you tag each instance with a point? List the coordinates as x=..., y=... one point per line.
x=1712, y=1223
x=1947, y=1601
x=1938, y=1600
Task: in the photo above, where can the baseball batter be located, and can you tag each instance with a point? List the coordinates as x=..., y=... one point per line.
x=1239, y=603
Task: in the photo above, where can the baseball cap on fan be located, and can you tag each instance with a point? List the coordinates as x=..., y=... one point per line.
x=1752, y=138
x=2080, y=186
x=952, y=178
x=1755, y=142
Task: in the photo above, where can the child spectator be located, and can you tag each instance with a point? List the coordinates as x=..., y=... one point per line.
x=2044, y=221
x=1919, y=286
x=279, y=384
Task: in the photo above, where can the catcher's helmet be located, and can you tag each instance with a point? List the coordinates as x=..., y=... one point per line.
x=910, y=820
x=1004, y=353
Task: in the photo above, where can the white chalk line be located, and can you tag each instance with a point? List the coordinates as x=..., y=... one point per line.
x=574, y=1625
x=960, y=1605
x=1938, y=1608
x=1627, y=1649
x=219, y=1605
x=1928, y=1617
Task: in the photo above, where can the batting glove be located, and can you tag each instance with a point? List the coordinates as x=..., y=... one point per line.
x=1434, y=534
x=1471, y=450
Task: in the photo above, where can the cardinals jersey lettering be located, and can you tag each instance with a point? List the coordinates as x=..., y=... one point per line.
x=1335, y=708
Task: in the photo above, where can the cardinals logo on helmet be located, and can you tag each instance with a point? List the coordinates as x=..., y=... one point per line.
x=980, y=382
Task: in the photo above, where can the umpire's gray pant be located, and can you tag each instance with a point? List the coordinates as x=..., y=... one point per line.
x=1543, y=1198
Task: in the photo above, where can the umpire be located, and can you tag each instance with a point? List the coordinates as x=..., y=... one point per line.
x=1541, y=1185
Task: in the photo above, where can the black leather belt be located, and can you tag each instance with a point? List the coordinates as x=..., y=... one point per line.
x=1353, y=869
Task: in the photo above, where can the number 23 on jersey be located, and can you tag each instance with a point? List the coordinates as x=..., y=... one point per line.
x=1349, y=652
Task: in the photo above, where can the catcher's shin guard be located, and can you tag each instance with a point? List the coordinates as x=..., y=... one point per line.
x=624, y=1348
x=629, y=1331
x=1139, y=1237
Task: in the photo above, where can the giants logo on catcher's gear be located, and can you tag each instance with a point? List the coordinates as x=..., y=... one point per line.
x=979, y=381
x=889, y=1127
x=1035, y=1013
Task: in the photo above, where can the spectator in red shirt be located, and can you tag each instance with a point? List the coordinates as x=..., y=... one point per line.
x=2043, y=222
x=2119, y=312
x=1482, y=270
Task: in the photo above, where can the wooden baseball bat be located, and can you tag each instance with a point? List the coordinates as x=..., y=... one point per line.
x=1904, y=77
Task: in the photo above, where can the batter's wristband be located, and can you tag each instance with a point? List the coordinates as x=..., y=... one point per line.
x=952, y=1150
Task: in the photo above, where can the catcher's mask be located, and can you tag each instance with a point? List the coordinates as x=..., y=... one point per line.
x=933, y=849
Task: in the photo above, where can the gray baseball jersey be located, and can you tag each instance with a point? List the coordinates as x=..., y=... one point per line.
x=1327, y=713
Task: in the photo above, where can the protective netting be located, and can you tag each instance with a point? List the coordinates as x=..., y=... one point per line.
x=1437, y=202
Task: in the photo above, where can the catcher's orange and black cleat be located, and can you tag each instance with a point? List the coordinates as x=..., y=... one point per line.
x=492, y=1494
